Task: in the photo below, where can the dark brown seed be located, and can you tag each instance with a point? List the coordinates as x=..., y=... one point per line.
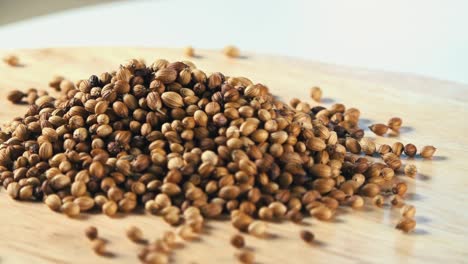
x=237, y=241
x=91, y=232
x=307, y=236
x=410, y=150
x=15, y=96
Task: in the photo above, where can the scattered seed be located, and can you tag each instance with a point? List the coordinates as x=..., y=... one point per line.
x=156, y=258
x=189, y=51
x=91, y=232
x=186, y=232
x=427, y=152
x=15, y=96
x=379, y=129
x=408, y=211
x=411, y=170
x=134, y=234
x=410, y=150
x=395, y=124
x=246, y=257
x=307, y=236
x=316, y=94
x=257, y=228
x=237, y=241
x=406, y=224
x=169, y=238
x=11, y=60
x=99, y=246
x=231, y=51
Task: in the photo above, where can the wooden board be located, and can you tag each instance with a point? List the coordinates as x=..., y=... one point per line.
x=433, y=111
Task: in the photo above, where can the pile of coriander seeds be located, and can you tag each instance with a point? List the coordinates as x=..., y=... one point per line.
x=188, y=146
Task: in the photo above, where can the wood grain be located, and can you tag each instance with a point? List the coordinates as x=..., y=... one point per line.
x=433, y=112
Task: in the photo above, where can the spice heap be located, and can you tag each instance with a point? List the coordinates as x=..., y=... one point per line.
x=189, y=146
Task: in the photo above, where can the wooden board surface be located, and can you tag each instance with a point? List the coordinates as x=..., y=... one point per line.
x=434, y=113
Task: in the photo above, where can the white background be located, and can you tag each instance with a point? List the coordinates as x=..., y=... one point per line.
x=423, y=37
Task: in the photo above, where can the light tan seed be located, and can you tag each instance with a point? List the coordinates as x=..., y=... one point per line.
x=322, y=213
x=316, y=94
x=246, y=257
x=231, y=51
x=406, y=224
x=85, y=203
x=427, y=152
x=110, y=208
x=257, y=228
x=172, y=99
x=13, y=190
x=134, y=234
x=408, y=211
x=71, y=209
x=78, y=188
x=99, y=246
x=186, y=232
x=53, y=201
x=156, y=258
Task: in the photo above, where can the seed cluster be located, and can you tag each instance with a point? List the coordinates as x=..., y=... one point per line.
x=188, y=146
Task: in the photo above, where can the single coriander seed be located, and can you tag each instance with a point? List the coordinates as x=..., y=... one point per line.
x=237, y=241
x=91, y=232
x=307, y=236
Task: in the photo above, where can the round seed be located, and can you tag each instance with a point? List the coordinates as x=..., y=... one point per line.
x=71, y=209
x=134, y=234
x=91, y=232
x=237, y=241
x=99, y=246
x=307, y=236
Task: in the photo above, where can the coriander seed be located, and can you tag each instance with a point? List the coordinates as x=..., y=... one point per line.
x=257, y=228
x=91, y=232
x=134, y=234
x=189, y=51
x=410, y=150
x=71, y=209
x=395, y=124
x=406, y=224
x=411, y=170
x=246, y=257
x=307, y=236
x=15, y=96
x=379, y=129
x=237, y=241
x=12, y=60
x=408, y=211
x=427, y=152
x=316, y=94
x=156, y=258
x=54, y=202
x=231, y=51
x=99, y=246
